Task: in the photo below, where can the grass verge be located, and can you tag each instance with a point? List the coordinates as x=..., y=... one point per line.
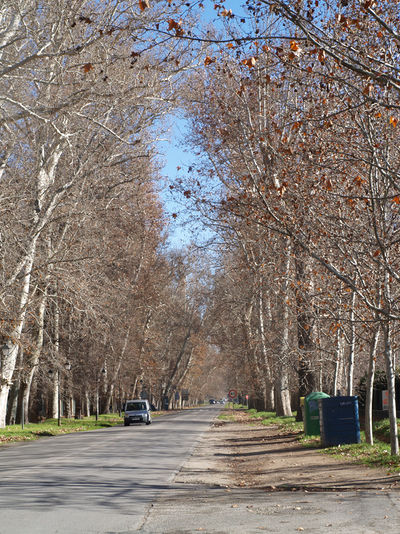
x=33, y=431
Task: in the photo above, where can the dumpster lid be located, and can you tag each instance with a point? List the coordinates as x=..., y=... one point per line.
x=316, y=395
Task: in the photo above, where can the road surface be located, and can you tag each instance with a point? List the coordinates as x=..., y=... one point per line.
x=102, y=481
x=121, y=480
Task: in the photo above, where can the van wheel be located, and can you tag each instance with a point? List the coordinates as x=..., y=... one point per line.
x=126, y=424
x=148, y=423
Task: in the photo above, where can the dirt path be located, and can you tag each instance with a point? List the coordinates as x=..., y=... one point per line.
x=234, y=454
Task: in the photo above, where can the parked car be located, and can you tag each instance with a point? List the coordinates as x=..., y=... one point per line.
x=137, y=411
x=212, y=401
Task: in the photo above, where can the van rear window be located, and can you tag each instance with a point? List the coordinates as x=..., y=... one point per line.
x=135, y=406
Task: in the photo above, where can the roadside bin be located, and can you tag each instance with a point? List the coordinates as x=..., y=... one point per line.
x=311, y=413
x=339, y=421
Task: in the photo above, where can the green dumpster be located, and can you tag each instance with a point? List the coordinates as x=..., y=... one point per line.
x=311, y=413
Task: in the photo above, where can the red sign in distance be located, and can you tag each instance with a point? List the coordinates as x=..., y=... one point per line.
x=232, y=394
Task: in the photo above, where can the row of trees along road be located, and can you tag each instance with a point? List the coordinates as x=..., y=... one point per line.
x=296, y=115
x=293, y=107
x=93, y=306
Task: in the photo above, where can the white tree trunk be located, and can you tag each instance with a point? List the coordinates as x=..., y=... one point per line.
x=352, y=346
x=283, y=404
x=87, y=404
x=338, y=361
x=390, y=374
x=267, y=374
x=45, y=177
x=34, y=359
x=56, y=395
x=10, y=356
x=370, y=387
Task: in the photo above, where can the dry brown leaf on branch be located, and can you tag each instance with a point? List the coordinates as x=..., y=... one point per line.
x=209, y=60
x=144, y=4
x=249, y=62
x=177, y=26
x=87, y=67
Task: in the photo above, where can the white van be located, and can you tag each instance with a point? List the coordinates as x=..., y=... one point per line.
x=137, y=411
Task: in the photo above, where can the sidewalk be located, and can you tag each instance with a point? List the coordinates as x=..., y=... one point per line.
x=244, y=479
x=233, y=455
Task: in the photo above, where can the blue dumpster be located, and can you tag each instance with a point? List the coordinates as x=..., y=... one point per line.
x=339, y=420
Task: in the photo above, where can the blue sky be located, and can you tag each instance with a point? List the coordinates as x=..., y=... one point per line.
x=176, y=154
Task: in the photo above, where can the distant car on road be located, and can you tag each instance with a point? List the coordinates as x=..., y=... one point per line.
x=212, y=401
x=137, y=411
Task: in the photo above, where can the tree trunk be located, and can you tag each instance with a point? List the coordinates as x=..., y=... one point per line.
x=33, y=361
x=369, y=438
x=41, y=216
x=55, y=398
x=56, y=372
x=305, y=324
x=87, y=404
x=250, y=351
x=10, y=355
x=117, y=369
x=352, y=345
x=22, y=407
x=267, y=374
x=390, y=374
x=338, y=362
x=12, y=404
x=282, y=393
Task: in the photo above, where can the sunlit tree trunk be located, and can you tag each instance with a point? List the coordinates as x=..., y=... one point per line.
x=282, y=392
x=267, y=374
x=9, y=359
x=55, y=406
x=33, y=361
x=369, y=438
x=352, y=344
x=337, y=375
x=390, y=374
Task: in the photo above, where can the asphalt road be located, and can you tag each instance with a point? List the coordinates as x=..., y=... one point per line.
x=120, y=480
x=102, y=481
x=193, y=510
